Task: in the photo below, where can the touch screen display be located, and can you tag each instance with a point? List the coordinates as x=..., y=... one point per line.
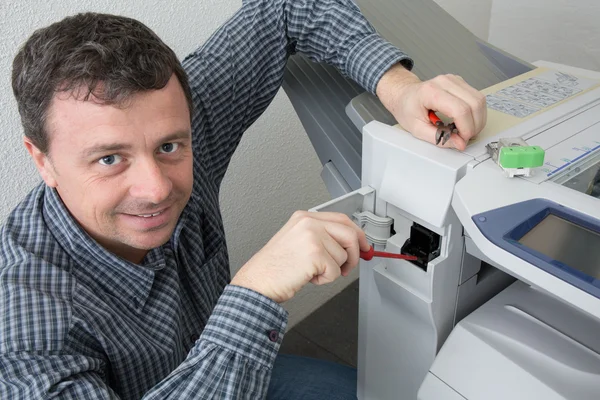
x=566, y=242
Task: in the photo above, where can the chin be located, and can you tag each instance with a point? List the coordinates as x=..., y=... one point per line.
x=147, y=245
x=153, y=242
x=149, y=240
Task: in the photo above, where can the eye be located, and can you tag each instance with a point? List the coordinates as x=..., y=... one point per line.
x=169, y=147
x=112, y=159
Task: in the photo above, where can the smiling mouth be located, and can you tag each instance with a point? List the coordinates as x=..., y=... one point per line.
x=149, y=215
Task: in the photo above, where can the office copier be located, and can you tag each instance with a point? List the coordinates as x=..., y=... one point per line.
x=504, y=299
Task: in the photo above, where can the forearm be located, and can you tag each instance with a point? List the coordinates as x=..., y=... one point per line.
x=392, y=82
x=238, y=72
x=235, y=353
x=232, y=360
x=336, y=32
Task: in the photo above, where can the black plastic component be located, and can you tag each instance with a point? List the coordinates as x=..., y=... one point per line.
x=392, y=230
x=422, y=243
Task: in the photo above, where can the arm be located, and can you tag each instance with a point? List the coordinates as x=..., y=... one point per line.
x=236, y=74
x=235, y=353
x=34, y=375
x=231, y=360
x=37, y=360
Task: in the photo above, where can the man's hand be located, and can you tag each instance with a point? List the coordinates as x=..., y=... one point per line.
x=311, y=247
x=409, y=100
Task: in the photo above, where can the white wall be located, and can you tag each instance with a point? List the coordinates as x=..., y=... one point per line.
x=562, y=31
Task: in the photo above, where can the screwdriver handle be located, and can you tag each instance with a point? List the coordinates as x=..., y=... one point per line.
x=368, y=255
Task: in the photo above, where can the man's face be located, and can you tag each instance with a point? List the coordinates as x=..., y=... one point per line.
x=124, y=173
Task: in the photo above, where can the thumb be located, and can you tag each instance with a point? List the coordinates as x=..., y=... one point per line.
x=424, y=130
x=363, y=243
x=456, y=142
x=427, y=131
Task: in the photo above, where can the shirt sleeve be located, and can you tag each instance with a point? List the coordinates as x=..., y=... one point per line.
x=234, y=356
x=37, y=375
x=235, y=75
x=232, y=359
x=36, y=361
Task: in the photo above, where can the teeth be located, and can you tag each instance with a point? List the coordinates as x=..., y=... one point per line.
x=148, y=215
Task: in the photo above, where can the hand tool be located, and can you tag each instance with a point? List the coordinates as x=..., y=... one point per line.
x=444, y=131
x=368, y=255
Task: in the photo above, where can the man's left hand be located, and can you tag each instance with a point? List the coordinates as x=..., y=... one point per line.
x=409, y=100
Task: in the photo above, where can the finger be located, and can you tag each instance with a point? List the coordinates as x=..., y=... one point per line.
x=300, y=215
x=480, y=104
x=343, y=219
x=480, y=101
x=347, y=239
x=462, y=116
x=347, y=268
x=330, y=271
x=456, y=142
x=438, y=99
x=332, y=246
x=455, y=89
x=461, y=89
x=328, y=216
x=426, y=131
x=296, y=217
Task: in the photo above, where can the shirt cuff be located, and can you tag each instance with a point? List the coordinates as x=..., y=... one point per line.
x=248, y=323
x=371, y=57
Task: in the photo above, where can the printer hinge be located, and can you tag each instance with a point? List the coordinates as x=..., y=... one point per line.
x=377, y=229
x=359, y=206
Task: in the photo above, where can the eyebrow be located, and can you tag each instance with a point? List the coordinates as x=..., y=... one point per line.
x=115, y=147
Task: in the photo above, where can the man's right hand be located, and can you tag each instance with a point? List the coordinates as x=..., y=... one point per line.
x=314, y=247
x=410, y=100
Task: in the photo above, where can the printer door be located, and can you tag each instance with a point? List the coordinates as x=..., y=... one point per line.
x=359, y=205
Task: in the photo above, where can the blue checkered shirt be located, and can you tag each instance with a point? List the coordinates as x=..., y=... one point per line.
x=77, y=322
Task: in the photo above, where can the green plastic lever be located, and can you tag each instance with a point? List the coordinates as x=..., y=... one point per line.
x=521, y=157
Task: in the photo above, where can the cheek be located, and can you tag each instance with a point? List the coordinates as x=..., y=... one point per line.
x=102, y=197
x=107, y=202
x=182, y=176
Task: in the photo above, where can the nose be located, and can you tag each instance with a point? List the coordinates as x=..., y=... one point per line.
x=150, y=183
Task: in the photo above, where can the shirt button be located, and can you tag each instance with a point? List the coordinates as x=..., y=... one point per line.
x=273, y=335
x=194, y=337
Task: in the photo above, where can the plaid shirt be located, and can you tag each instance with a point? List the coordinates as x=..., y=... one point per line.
x=78, y=322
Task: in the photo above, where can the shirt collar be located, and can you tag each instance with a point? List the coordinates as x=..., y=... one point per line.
x=96, y=266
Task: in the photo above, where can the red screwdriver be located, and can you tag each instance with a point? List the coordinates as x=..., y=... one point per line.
x=368, y=255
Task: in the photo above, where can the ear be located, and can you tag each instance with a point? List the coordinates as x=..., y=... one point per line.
x=42, y=163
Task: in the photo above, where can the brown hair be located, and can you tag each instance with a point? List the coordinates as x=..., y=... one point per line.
x=109, y=57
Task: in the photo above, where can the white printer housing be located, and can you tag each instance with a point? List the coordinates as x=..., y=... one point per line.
x=480, y=320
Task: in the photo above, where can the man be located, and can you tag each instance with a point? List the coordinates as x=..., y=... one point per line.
x=114, y=279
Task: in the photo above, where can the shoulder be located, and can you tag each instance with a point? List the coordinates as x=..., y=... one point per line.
x=35, y=283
